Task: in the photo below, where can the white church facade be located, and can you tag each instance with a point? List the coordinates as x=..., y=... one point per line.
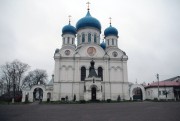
x=74, y=76
x=90, y=69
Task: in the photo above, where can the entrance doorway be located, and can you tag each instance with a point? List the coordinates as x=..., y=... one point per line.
x=38, y=94
x=93, y=93
x=137, y=94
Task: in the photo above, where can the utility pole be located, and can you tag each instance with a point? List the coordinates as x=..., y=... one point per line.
x=158, y=85
x=14, y=86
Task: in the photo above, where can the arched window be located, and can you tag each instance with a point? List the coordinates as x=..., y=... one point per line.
x=108, y=41
x=83, y=37
x=100, y=73
x=83, y=73
x=95, y=38
x=112, y=41
x=116, y=42
x=89, y=37
x=72, y=40
x=78, y=39
x=68, y=40
x=63, y=40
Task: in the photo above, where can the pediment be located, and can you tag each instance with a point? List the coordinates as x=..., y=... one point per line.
x=91, y=50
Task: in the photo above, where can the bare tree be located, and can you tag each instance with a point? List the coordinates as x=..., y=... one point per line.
x=12, y=74
x=35, y=77
x=20, y=68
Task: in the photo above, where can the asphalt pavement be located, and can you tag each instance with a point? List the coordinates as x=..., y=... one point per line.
x=124, y=111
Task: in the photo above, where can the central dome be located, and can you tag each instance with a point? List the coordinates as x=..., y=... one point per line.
x=88, y=21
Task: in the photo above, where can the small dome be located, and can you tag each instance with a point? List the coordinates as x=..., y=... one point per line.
x=110, y=31
x=103, y=45
x=69, y=29
x=88, y=21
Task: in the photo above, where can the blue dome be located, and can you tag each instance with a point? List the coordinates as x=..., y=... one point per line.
x=69, y=29
x=103, y=45
x=110, y=31
x=88, y=21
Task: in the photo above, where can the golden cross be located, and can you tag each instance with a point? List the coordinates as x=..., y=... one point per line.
x=110, y=20
x=88, y=4
x=69, y=19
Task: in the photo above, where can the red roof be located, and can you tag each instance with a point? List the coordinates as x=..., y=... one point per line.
x=164, y=84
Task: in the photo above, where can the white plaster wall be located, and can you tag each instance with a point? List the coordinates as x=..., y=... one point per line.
x=125, y=87
x=76, y=90
x=56, y=92
x=66, y=90
x=109, y=38
x=107, y=91
x=152, y=93
x=68, y=72
x=116, y=89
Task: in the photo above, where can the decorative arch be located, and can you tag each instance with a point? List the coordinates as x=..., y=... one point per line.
x=83, y=66
x=112, y=67
x=38, y=86
x=38, y=92
x=69, y=67
x=94, y=86
x=64, y=66
x=118, y=67
x=137, y=86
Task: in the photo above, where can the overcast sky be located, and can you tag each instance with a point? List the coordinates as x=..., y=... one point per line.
x=149, y=32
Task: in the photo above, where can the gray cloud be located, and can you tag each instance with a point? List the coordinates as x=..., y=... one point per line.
x=30, y=30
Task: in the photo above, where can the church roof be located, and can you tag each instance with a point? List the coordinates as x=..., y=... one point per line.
x=110, y=31
x=69, y=29
x=173, y=79
x=92, y=72
x=103, y=45
x=88, y=21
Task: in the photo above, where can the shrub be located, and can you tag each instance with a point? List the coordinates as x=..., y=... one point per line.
x=155, y=99
x=82, y=101
x=108, y=100
x=66, y=98
x=7, y=97
x=119, y=98
x=74, y=98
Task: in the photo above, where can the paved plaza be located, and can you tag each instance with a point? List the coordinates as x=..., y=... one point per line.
x=124, y=111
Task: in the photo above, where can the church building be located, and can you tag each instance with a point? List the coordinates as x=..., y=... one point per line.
x=90, y=70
